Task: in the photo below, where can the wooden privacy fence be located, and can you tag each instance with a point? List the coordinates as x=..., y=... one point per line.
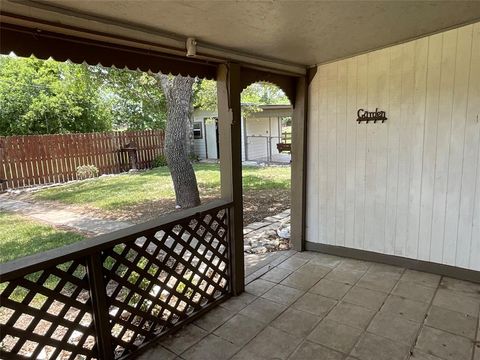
x=44, y=159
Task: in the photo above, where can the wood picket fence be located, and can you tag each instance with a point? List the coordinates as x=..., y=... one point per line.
x=46, y=159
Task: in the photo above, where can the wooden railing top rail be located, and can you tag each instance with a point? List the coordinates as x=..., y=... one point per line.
x=29, y=264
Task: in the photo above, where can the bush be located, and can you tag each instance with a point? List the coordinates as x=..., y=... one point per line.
x=87, y=172
x=194, y=157
x=160, y=161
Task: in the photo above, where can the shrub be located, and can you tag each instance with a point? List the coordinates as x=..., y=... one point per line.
x=194, y=157
x=87, y=172
x=160, y=161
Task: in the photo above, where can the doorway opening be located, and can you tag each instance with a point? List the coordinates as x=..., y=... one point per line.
x=266, y=172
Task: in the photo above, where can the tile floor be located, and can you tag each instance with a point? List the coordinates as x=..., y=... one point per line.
x=316, y=306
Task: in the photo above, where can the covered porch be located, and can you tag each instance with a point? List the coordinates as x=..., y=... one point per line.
x=308, y=305
x=388, y=209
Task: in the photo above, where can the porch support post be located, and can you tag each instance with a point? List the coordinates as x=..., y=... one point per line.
x=299, y=157
x=229, y=123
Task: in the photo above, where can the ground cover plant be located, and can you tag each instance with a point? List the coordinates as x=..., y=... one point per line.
x=22, y=236
x=141, y=196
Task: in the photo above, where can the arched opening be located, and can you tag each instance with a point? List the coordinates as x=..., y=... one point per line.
x=266, y=129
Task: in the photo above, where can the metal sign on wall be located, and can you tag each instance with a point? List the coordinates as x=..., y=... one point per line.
x=367, y=116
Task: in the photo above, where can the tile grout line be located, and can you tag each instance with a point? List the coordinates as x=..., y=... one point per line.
x=476, y=341
x=373, y=317
x=328, y=312
x=211, y=332
x=282, y=312
x=423, y=324
x=269, y=269
x=340, y=300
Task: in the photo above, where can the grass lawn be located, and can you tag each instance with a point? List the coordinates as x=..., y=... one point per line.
x=21, y=236
x=127, y=190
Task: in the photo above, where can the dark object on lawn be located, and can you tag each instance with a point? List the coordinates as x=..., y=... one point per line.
x=2, y=181
x=282, y=147
x=286, y=144
x=131, y=150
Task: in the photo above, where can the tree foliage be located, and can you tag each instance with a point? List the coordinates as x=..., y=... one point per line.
x=48, y=97
x=51, y=97
x=136, y=99
x=261, y=93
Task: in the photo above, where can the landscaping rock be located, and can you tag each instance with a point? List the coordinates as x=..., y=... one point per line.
x=269, y=235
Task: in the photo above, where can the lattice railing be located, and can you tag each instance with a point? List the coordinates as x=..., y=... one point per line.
x=107, y=297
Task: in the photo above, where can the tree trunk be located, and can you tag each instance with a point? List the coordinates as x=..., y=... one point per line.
x=178, y=93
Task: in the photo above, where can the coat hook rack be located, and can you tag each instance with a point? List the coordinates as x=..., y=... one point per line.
x=367, y=116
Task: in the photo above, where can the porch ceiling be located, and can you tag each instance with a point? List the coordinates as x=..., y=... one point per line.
x=298, y=32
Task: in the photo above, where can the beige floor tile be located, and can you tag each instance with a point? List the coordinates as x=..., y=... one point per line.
x=276, y=274
x=283, y=294
x=271, y=343
x=371, y=299
x=444, y=345
x=394, y=328
x=335, y=335
x=296, y=322
x=310, y=268
x=237, y=303
x=469, y=288
x=406, y=308
x=293, y=263
x=457, y=301
x=263, y=310
x=331, y=289
x=244, y=354
x=418, y=355
x=452, y=321
x=386, y=270
x=307, y=255
x=157, y=352
x=259, y=287
x=315, y=304
x=414, y=291
x=374, y=347
x=214, y=318
x=311, y=351
x=302, y=280
x=344, y=276
x=352, y=315
x=211, y=348
x=354, y=265
x=240, y=329
x=422, y=278
x=326, y=260
x=183, y=339
x=477, y=345
x=378, y=282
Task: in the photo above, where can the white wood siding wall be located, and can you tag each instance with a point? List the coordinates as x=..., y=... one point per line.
x=411, y=186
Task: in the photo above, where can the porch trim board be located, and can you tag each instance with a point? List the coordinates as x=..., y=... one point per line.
x=24, y=41
x=419, y=265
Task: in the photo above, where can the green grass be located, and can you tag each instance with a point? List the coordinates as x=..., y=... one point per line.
x=117, y=192
x=21, y=236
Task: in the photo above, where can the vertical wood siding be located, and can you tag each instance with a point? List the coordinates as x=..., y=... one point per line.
x=410, y=186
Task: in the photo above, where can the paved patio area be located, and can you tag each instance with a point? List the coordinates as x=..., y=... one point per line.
x=314, y=306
